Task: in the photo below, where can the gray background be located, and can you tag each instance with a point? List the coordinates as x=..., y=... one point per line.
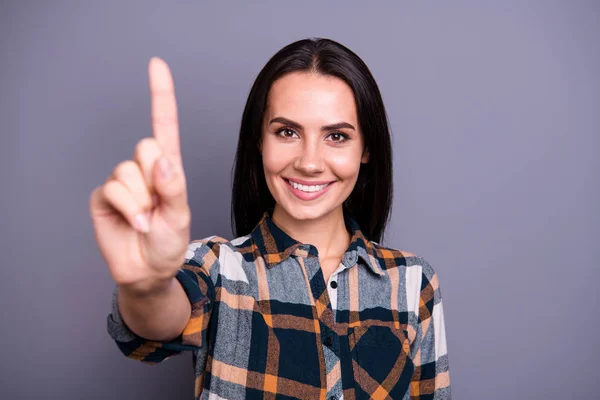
x=494, y=110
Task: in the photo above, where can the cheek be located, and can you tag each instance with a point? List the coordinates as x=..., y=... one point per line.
x=274, y=160
x=345, y=165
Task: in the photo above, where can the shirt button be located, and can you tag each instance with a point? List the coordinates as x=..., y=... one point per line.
x=328, y=341
x=333, y=284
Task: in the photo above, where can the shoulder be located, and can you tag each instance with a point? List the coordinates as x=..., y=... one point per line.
x=219, y=247
x=389, y=252
x=389, y=257
x=203, y=246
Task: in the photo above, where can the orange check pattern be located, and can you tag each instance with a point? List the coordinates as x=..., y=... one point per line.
x=266, y=325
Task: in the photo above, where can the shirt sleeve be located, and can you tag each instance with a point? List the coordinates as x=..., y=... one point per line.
x=431, y=379
x=197, y=277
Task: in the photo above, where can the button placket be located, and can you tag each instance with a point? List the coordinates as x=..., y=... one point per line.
x=332, y=286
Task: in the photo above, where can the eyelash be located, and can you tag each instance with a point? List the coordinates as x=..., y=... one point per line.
x=343, y=136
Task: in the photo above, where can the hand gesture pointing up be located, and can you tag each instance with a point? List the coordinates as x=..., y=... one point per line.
x=141, y=215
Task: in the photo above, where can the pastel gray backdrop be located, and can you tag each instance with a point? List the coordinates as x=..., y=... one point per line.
x=494, y=108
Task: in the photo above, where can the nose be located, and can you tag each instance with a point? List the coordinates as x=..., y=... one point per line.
x=310, y=160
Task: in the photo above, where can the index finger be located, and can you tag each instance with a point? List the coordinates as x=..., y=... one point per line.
x=165, y=124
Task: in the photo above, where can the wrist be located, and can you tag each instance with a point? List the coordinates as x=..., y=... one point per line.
x=151, y=287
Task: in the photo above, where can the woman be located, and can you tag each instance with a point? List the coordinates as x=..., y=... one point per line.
x=304, y=303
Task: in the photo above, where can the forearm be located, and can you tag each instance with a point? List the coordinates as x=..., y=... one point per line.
x=160, y=315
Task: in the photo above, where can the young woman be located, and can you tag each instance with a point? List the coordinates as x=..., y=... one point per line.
x=304, y=303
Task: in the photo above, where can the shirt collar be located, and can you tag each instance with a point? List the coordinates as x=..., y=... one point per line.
x=275, y=245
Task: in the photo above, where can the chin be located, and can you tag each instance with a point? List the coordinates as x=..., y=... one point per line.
x=305, y=213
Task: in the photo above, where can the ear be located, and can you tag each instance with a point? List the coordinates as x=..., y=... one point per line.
x=365, y=157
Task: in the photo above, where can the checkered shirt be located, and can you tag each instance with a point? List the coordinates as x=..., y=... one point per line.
x=266, y=325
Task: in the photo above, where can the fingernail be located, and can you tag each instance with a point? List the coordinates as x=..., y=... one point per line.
x=142, y=223
x=165, y=168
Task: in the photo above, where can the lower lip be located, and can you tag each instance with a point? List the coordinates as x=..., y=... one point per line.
x=307, y=195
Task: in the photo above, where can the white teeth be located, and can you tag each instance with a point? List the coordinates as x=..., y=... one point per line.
x=304, y=188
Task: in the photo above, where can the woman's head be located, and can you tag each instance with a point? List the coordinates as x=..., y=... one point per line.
x=314, y=115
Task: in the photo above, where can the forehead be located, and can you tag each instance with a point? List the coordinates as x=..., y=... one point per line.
x=311, y=97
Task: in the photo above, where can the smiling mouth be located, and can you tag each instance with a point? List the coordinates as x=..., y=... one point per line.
x=307, y=188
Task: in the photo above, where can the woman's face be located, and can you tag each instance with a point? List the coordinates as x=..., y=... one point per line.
x=312, y=146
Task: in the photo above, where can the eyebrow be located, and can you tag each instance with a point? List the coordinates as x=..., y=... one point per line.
x=293, y=124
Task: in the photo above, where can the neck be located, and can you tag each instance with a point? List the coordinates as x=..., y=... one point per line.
x=327, y=233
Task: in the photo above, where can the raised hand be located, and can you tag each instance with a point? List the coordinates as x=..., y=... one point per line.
x=141, y=215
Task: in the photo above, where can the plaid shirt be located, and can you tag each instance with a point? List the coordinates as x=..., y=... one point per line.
x=265, y=324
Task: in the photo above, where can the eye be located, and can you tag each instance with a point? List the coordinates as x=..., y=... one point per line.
x=338, y=137
x=286, y=132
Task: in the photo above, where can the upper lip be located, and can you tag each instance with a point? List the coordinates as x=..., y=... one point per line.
x=308, y=183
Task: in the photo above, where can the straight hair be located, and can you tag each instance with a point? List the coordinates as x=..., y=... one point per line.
x=370, y=201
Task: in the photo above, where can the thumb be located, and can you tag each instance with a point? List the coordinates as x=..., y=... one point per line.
x=170, y=186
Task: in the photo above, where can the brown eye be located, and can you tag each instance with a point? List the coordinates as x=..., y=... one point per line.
x=286, y=132
x=338, y=137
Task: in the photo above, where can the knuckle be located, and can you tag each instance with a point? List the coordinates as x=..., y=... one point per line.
x=128, y=185
x=125, y=169
x=144, y=146
x=115, y=194
x=110, y=189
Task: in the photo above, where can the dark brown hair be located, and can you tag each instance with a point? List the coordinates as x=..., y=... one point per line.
x=370, y=201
